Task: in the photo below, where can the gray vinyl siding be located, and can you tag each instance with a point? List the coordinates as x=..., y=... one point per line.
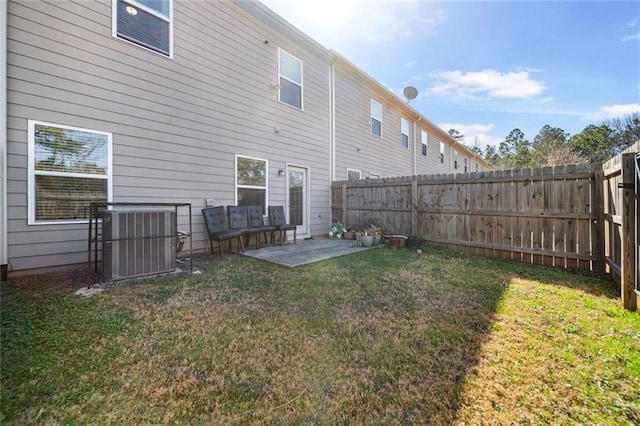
x=177, y=124
x=356, y=147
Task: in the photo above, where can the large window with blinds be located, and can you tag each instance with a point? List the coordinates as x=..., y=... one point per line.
x=148, y=23
x=69, y=167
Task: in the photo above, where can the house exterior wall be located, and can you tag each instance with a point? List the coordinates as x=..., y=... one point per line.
x=358, y=149
x=177, y=123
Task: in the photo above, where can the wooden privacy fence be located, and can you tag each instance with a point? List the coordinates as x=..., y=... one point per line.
x=544, y=216
x=621, y=241
x=549, y=216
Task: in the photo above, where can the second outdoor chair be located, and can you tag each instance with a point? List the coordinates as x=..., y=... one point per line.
x=239, y=221
x=215, y=218
x=276, y=214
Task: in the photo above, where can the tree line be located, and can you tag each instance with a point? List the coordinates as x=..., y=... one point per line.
x=552, y=146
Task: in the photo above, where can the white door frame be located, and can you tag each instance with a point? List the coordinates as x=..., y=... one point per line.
x=304, y=229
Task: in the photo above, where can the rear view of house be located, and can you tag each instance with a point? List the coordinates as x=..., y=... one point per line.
x=170, y=101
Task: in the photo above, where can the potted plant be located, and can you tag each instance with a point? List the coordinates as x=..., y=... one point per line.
x=371, y=235
x=349, y=234
x=337, y=229
x=376, y=232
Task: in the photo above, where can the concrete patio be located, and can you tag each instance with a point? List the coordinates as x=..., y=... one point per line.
x=305, y=251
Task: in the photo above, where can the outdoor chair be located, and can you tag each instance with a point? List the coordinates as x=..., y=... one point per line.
x=215, y=218
x=256, y=221
x=276, y=214
x=239, y=220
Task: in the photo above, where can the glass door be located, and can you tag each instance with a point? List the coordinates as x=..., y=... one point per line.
x=297, y=198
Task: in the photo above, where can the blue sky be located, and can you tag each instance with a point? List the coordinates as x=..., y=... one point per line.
x=485, y=68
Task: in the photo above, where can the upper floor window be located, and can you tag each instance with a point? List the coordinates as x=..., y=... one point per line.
x=290, y=75
x=425, y=140
x=476, y=167
x=404, y=130
x=466, y=168
x=376, y=118
x=251, y=182
x=442, y=152
x=455, y=160
x=353, y=174
x=148, y=23
x=68, y=168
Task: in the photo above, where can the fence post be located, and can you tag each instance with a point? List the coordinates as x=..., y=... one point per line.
x=628, y=271
x=598, y=226
x=344, y=203
x=414, y=206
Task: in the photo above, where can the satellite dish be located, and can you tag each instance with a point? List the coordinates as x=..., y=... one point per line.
x=410, y=93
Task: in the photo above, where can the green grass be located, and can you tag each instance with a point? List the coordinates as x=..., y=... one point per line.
x=383, y=336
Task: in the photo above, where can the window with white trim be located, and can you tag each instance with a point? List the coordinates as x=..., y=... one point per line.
x=424, y=137
x=404, y=133
x=455, y=159
x=290, y=79
x=442, y=152
x=476, y=167
x=69, y=167
x=147, y=23
x=353, y=174
x=466, y=168
x=251, y=182
x=376, y=118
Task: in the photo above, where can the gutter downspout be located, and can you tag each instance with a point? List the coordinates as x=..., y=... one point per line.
x=332, y=135
x=4, y=271
x=415, y=144
x=332, y=103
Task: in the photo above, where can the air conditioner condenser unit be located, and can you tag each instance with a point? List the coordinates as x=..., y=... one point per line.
x=138, y=243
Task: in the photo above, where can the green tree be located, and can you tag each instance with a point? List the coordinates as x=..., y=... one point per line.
x=594, y=143
x=491, y=155
x=546, y=142
x=455, y=134
x=475, y=149
x=515, y=151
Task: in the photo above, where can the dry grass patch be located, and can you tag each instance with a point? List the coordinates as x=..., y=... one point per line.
x=381, y=336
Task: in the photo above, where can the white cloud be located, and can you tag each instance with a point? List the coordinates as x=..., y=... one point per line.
x=487, y=83
x=631, y=37
x=630, y=27
x=473, y=133
x=338, y=24
x=613, y=111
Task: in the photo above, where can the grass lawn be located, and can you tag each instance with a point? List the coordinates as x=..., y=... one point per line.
x=377, y=337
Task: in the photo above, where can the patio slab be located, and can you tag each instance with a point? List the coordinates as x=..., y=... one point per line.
x=305, y=251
